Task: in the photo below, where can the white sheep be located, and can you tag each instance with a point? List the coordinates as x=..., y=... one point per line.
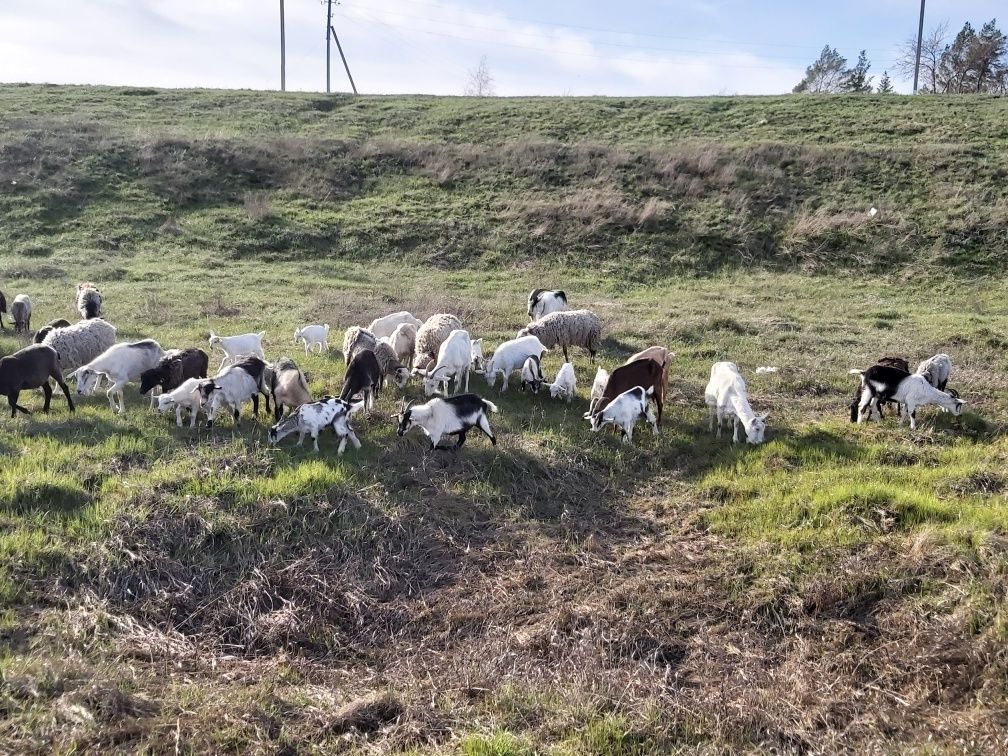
x=386, y=325
x=402, y=340
x=81, y=342
x=936, y=370
x=454, y=362
x=565, y=384
x=119, y=364
x=236, y=347
x=356, y=339
x=312, y=336
x=21, y=312
x=511, y=356
x=185, y=397
x=390, y=365
x=726, y=397
x=567, y=328
x=430, y=336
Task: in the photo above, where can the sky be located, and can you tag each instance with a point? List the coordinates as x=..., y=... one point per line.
x=564, y=47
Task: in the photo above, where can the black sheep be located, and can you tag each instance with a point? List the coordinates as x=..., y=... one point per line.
x=31, y=368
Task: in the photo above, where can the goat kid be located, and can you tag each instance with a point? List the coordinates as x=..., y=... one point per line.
x=451, y=416
x=312, y=418
x=624, y=411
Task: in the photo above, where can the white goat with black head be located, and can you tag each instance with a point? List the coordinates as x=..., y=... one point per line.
x=624, y=411
x=543, y=302
x=881, y=383
x=532, y=377
x=448, y=416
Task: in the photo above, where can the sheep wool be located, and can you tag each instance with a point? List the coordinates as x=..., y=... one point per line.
x=78, y=344
x=356, y=339
x=567, y=328
x=431, y=335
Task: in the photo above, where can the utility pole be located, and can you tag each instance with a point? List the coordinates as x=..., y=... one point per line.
x=283, y=51
x=328, y=26
x=340, y=48
x=920, y=37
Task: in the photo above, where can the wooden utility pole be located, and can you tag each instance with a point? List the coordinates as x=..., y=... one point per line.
x=340, y=48
x=328, y=26
x=920, y=38
x=283, y=51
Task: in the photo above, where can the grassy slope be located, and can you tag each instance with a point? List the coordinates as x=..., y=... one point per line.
x=839, y=587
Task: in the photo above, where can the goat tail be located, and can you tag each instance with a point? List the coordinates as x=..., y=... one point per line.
x=855, y=371
x=489, y=405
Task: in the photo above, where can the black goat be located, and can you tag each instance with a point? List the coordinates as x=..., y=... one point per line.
x=363, y=376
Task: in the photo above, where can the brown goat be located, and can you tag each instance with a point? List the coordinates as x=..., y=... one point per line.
x=659, y=354
x=31, y=368
x=646, y=373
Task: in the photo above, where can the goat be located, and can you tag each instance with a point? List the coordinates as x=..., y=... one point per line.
x=598, y=388
x=511, y=356
x=624, y=411
x=312, y=336
x=386, y=325
x=659, y=354
x=21, y=312
x=645, y=373
x=543, y=302
x=448, y=416
x=894, y=362
x=363, y=377
x=289, y=387
x=237, y=347
x=312, y=418
x=31, y=368
x=431, y=335
x=232, y=387
x=565, y=384
x=174, y=368
x=936, y=370
x=120, y=364
x=727, y=397
x=532, y=376
x=882, y=383
x=453, y=362
x=185, y=396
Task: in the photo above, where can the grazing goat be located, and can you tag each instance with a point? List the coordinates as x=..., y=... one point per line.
x=532, y=376
x=624, y=411
x=659, y=354
x=21, y=312
x=543, y=302
x=567, y=328
x=185, y=396
x=89, y=301
x=385, y=326
x=356, y=339
x=431, y=335
x=3, y=309
x=936, y=370
x=448, y=416
x=645, y=373
x=453, y=362
x=48, y=328
x=119, y=364
x=598, y=388
x=726, y=397
x=31, y=368
x=312, y=336
x=236, y=347
x=882, y=383
x=311, y=419
x=232, y=387
x=402, y=341
x=511, y=356
x=289, y=387
x=895, y=362
x=80, y=343
x=174, y=368
x=363, y=378
x=565, y=384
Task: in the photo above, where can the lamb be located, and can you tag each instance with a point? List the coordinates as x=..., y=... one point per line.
x=48, y=328
x=532, y=375
x=511, y=356
x=120, y=364
x=895, y=362
x=237, y=347
x=89, y=301
x=451, y=416
x=356, y=339
x=385, y=326
x=565, y=384
x=726, y=397
x=623, y=412
x=390, y=365
x=542, y=302
x=21, y=312
x=312, y=419
x=185, y=396
x=453, y=362
x=430, y=336
x=312, y=336
x=883, y=383
x=31, y=368
x=936, y=370
x=645, y=373
x=3, y=310
x=598, y=388
x=363, y=377
x=659, y=354
x=174, y=368
x=289, y=387
x=232, y=387
x=402, y=341
x=567, y=328
x=81, y=342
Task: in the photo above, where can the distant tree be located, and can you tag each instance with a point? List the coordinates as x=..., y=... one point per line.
x=857, y=79
x=954, y=65
x=885, y=85
x=974, y=62
x=480, y=83
x=932, y=45
x=826, y=74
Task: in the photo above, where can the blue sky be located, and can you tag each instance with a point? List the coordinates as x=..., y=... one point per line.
x=633, y=47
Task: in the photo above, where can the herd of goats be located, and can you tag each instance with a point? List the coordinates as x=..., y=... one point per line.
x=398, y=347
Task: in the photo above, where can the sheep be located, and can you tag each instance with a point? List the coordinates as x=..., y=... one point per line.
x=624, y=410
x=454, y=362
x=120, y=364
x=81, y=342
x=363, y=377
x=390, y=365
x=232, y=387
x=174, y=368
x=598, y=388
x=356, y=339
x=89, y=301
x=936, y=370
x=883, y=383
x=645, y=373
x=21, y=312
x=431, y=335
x=895, y=362
x=289, y=387
x=542, y=302
x=185, y=396
x=48, y=328
x=385, y=326
x=402, y=341
x=565, y=384
x=567, y=328
x=237, y=347
x=511, y=356
x=451, y=416
x=312, y=419
x=3, y=310
x=312, y=336
x=31, y=368
x=532, y=375
x=659, y=354
x=726, y=396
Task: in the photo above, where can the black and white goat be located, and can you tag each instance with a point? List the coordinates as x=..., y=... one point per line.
x=312, y=418
x=543, y=301
x=881, y=383
x=450, y=416
x=232, y=387
x=363, y=377
x=624, y=411
x=894, y=362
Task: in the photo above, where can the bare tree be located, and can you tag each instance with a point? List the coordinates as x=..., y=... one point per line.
x=480, y=82
x=932, y=46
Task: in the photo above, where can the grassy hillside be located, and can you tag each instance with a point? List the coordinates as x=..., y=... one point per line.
x=840, y=588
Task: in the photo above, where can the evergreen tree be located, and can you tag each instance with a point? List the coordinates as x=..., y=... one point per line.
x=857, y=79
x=885, y=85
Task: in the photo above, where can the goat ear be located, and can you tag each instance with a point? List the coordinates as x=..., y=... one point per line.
x=764, y=416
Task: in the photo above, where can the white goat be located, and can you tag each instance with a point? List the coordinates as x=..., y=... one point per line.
x=454, y=361
x=511, y=356
x=312, y=336
x=937, y=370
x=232, y=387
x=624, y=411
x=726, y=397
x=598, y=388
x=450, y=416
x=403, y=340
x=311, y=419
x=185, y=397
x=120, y=364
x=235, y=347
x=385, y=326
x=565, y=384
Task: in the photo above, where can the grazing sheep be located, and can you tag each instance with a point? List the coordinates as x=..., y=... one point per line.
x=385, y=326
x=543, y=301
x=89, y=300
x=402, y=341
x=565, y=384
x=624, y=411
x=936, y=370
x=185, y=396
x=431, y=335
x=356, y=339
x=174, y=368
x=312, y=419
x=21, y=312
x=120, y=364
x=289, y=387
x=31, y=368
x=567, y=328
x=3, y=309
x=48, y=328
x=511, y=356
x=81, y=342
x=390, y=365
x=237, y=347
x=727, y=397
x=883, y=383
x=448, y=416
x=598, y=388
x=312, y=336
